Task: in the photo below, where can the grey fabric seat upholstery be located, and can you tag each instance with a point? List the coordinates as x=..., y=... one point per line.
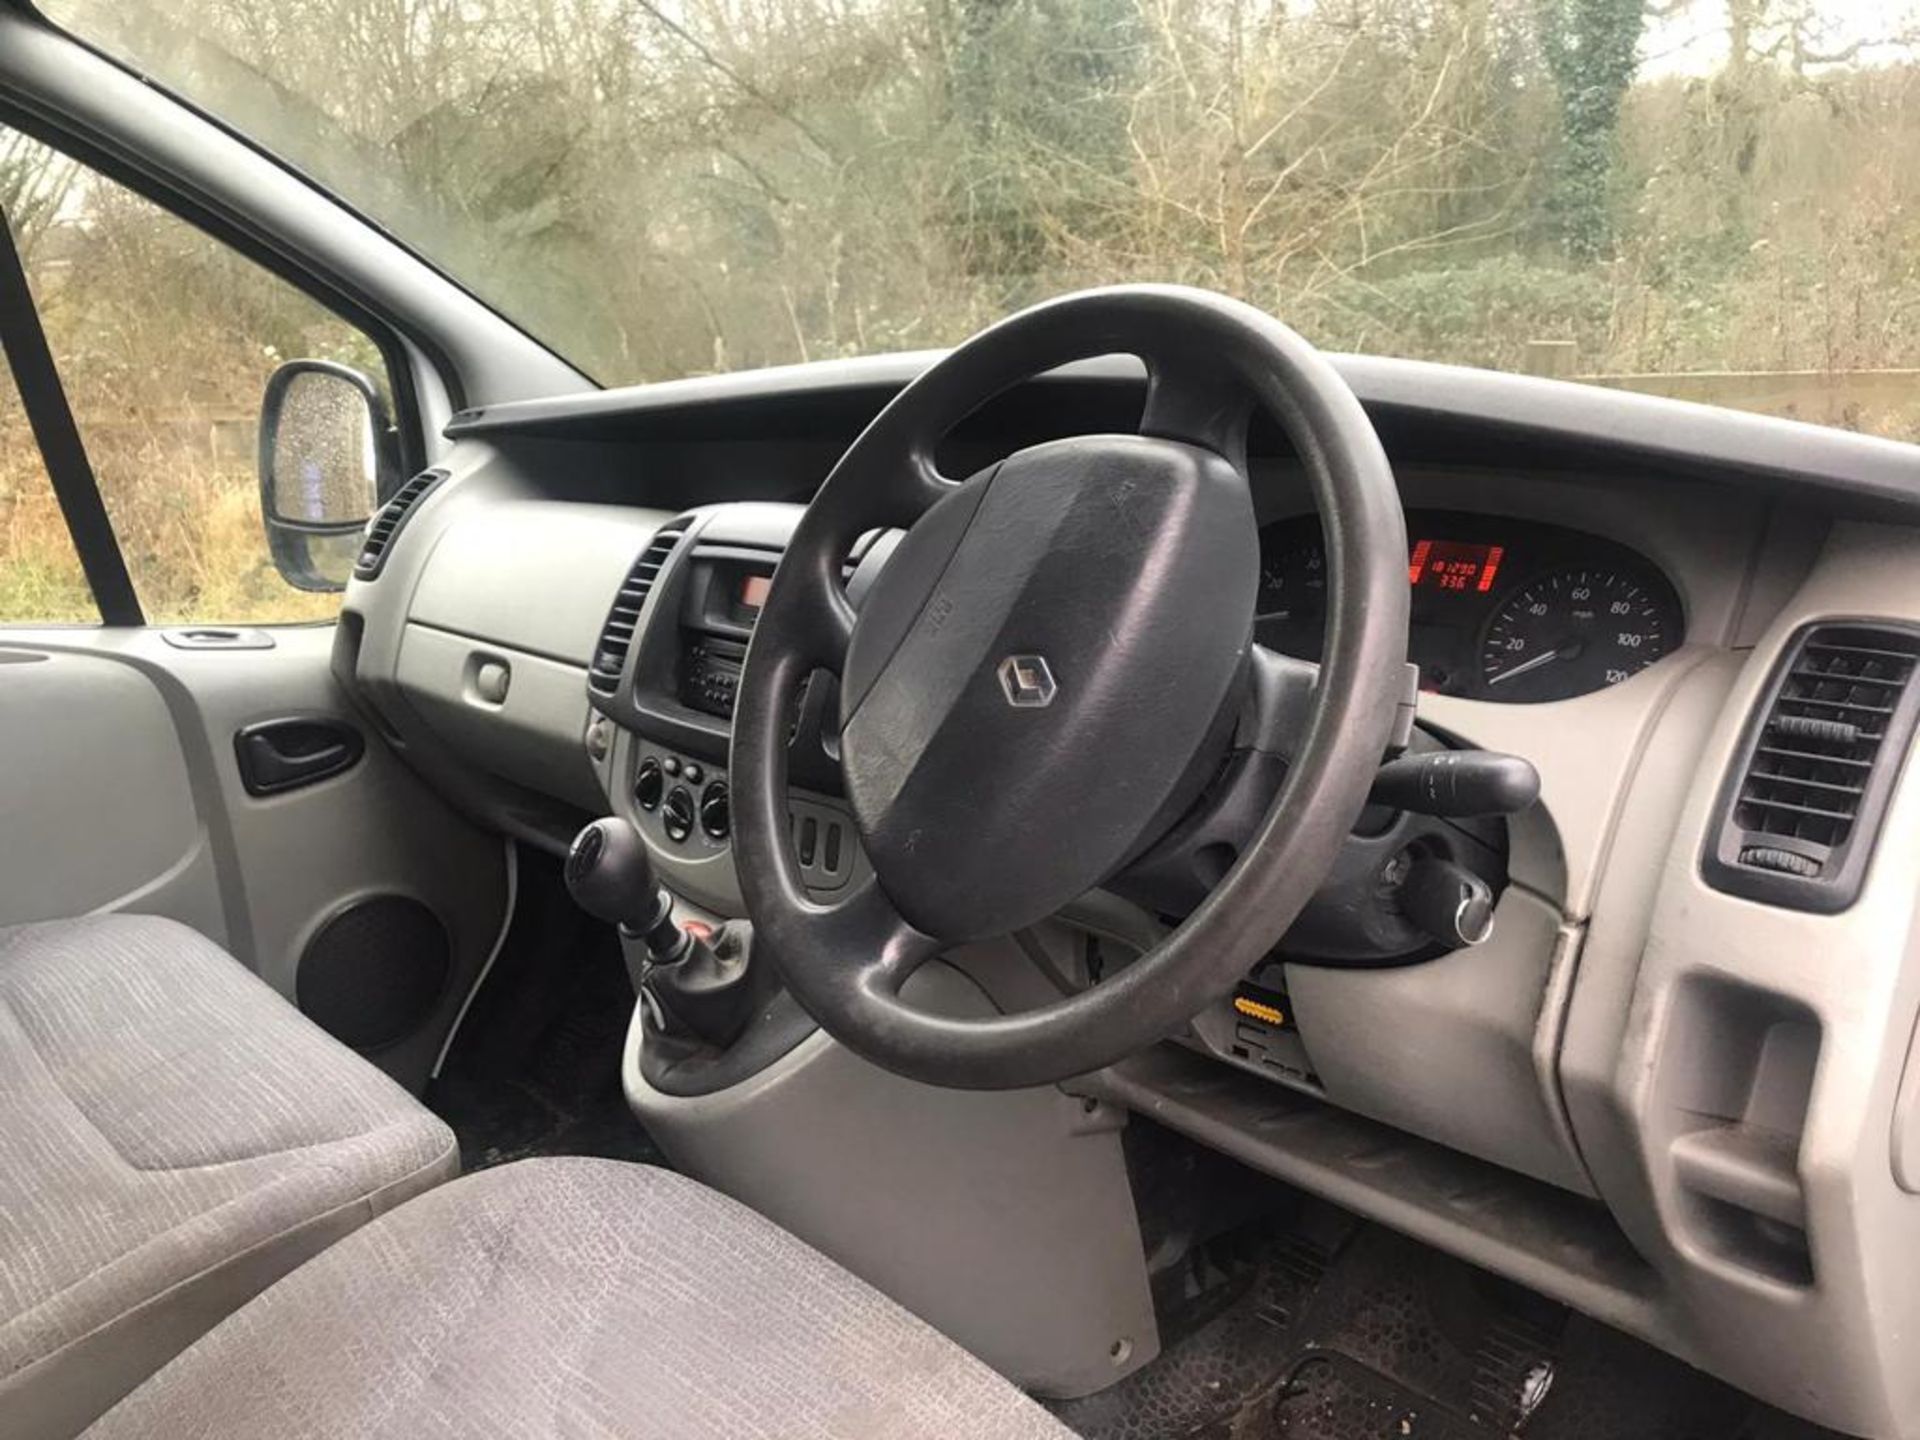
x=575, y=1297
x=174, y=1137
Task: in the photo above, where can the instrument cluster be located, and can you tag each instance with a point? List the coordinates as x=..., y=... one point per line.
x=1505, y=610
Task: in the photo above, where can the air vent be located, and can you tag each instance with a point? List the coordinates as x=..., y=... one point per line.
x=616, y=636
x=386, y=523
x=1802, y=809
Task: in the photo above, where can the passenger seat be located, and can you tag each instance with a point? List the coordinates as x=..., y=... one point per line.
x=174, y=1137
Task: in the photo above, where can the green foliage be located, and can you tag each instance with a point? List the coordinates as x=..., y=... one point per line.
x=1591, y=49
x=1480, y=313
x=1038, y=96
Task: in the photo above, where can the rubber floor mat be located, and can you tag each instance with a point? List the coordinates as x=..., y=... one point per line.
x=1332, y=1397
x=1375, y=1337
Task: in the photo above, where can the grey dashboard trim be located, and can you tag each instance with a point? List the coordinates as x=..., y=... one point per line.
x=529, y=574
x=1532, y=1233
x=1649, y=427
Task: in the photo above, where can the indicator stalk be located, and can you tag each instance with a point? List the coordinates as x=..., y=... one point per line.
x=1456, y=783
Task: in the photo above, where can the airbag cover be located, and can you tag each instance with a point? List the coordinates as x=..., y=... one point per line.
x=1037, y=668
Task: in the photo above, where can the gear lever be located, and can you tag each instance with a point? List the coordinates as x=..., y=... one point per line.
x=610, y=876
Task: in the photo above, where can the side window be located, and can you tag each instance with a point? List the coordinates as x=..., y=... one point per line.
x=41, y=581
x=164, y=338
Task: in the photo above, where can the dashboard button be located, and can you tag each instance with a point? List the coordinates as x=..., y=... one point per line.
x=676, y=813
x=671, y=764
x=716, y=812
x=694, y=774
x=648, y=785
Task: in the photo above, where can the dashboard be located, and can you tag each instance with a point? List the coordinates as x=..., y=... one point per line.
x=1503, y=610
x=1584, y=1088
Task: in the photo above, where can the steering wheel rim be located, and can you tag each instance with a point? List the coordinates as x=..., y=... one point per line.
x=1209, y=359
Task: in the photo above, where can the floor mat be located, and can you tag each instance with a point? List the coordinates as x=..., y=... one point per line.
x=535, y=1069
x=1364, y=1335
x=1333, y=1395
x=1202, y=1381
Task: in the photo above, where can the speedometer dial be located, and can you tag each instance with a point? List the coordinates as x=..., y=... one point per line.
x=1290, y=613
x=1575, y=630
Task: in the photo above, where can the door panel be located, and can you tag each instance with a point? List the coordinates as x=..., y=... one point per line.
x=121, y=790
x=98, y=809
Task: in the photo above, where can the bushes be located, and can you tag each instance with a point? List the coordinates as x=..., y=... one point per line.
x=1483, y=312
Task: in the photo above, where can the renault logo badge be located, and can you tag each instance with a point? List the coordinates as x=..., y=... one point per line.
x=1027, y=681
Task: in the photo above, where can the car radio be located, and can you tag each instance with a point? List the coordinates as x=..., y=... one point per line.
x=723, y=601
x=710, y=674
x=692, y=650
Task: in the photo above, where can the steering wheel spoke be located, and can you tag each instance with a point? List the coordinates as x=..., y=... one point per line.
x=1197, y=402
x=822, y=628
x=921, y=487
x=1280, y=700
x=880, y=948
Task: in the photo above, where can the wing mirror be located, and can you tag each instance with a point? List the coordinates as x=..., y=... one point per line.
x=328, y=458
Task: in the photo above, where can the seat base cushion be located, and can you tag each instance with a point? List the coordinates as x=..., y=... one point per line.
x=176, y=1137
x=576, y=1297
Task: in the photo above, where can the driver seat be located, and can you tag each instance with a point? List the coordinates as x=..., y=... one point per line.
x=572, y=1297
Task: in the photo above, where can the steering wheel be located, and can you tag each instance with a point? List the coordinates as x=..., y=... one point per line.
x=1050, y=673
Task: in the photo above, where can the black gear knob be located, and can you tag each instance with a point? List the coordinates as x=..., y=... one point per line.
x=610, y=875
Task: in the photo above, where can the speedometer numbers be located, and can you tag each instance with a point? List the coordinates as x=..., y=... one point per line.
x=1573, y=630
x=1290, y=613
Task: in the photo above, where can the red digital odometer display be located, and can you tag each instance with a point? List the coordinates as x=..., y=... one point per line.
x=1454, y=565
x=753, y=591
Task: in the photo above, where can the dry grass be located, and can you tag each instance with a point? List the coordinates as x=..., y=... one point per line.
x=189, y=527
x=40, y=576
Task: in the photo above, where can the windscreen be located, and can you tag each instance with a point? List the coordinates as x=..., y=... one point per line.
x=1716, y=199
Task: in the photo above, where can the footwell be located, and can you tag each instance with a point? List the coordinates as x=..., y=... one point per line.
x=535, y=1069
x=1338, y=1330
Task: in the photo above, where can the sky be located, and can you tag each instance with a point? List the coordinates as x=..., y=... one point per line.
x=1692, y=40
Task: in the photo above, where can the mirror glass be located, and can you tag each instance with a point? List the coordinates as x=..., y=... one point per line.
x=325, y=461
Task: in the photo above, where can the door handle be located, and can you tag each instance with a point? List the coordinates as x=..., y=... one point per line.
x=280, y=755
